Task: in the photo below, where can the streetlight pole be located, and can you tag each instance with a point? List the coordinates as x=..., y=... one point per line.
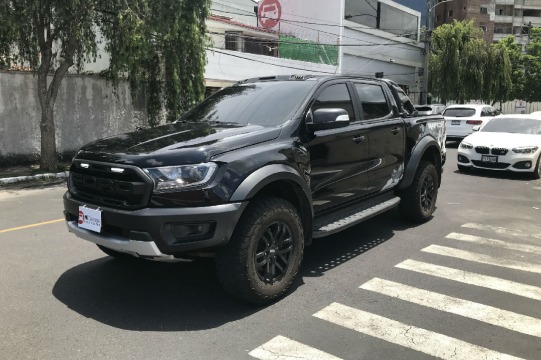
x=428, y=38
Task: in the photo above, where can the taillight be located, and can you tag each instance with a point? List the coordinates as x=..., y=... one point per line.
x=474, y=122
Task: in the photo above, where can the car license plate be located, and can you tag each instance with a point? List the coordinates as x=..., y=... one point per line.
x=89, y=219
x=491, y=159
x=455, y=122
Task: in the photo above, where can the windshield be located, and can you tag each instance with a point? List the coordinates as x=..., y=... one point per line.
x=513, y=125
x=265, y=103
x=459, y=112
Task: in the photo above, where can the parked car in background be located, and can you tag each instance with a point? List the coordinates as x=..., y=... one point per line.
x=507, y=142
x=432, y=109
x=460, y=119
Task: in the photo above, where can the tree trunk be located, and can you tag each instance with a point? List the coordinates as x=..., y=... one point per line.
x=49, y=159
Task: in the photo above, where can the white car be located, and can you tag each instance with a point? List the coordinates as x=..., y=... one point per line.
x=507, y=142
x=460, y=119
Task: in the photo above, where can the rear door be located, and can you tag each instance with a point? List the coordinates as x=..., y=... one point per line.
x=386, y=135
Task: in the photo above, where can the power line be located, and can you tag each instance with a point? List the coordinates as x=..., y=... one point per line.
x=264, y=62
x=291, y=67
x=279, y=41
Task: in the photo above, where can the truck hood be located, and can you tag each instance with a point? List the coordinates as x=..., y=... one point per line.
x=174, y=144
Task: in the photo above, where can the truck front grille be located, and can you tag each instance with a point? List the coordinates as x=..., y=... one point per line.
x=111, y=185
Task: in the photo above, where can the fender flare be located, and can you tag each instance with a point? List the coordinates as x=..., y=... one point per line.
x=416, y=156
x=266, y=175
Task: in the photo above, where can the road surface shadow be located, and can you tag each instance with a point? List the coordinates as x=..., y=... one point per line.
x=495, y=174
x=142, y=295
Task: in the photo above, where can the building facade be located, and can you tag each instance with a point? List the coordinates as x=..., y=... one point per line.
x=497, y=18
x=354, y=37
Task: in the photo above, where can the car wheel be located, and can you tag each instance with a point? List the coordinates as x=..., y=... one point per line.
x=463, y=168
x=117, y=254
x=264, y=254
x=537, y=170
x=418, y=201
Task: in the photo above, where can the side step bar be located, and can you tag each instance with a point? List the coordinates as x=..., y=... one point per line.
x=352, y=217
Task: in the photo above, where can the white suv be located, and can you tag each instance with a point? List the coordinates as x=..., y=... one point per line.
x=460, y=119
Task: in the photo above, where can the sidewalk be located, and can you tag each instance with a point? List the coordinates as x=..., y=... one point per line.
x=31, y=175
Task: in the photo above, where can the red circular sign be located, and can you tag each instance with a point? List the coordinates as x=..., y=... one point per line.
x=81, y=218
x=269, y=13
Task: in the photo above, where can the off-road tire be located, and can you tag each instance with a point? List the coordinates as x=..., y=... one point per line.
x=236, y=263
x=117, y=255
x=463, y=168
x=536, y=174
x=418, y=201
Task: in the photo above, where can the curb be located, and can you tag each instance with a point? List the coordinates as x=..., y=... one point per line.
x=47, y=176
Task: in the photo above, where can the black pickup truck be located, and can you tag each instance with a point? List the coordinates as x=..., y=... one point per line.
x=253, y=173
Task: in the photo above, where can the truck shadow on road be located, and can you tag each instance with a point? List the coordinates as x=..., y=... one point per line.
x=147, y=296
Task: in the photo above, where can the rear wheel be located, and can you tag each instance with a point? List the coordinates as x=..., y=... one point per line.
x=537, y=170
x=264, y=254
x=418, y=201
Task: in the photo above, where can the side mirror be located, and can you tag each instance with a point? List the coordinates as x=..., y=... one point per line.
x=325, y=119
x=476, y=128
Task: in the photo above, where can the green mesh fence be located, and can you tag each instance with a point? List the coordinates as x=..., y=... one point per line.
x=306, y=50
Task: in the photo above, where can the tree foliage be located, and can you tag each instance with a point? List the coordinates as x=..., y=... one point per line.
x=464, y=67
x=532, y=67
x=158, y=44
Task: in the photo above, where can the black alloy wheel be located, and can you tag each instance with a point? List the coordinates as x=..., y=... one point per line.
x=428, y=193
x=273, y=252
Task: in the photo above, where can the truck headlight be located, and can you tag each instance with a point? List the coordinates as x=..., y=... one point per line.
x=465, y=145
x=525, y=150
x=168, y=178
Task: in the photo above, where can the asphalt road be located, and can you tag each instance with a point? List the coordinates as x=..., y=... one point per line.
x=465, y=285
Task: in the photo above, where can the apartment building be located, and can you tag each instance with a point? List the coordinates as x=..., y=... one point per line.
x=497, y=18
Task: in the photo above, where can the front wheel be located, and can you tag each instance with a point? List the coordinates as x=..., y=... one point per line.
x=418, y=201
x=537, y=170
x=264, y=254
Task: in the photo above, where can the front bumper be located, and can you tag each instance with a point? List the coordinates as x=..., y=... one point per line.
x=524, y=163
x=149, y=232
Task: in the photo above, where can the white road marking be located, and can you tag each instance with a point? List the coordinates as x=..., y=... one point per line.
x=496, y=243
x=483, y=259
x=282, y=348
x=501, y=230
x=412, y=337
x=489, y=282
x=488, y=314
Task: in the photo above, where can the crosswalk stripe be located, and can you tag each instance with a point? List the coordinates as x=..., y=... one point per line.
x=483, y=259
x=412, y=337
x=501, y=230
x=282, y=348
x=466, y=277
x=485, y=313
x=496, y=243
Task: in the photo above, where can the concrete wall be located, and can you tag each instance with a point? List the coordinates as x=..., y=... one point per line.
x=87, y=108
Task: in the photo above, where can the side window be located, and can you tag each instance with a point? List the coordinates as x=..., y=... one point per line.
x=373, y=101
x=486, y=112
x=335, y=96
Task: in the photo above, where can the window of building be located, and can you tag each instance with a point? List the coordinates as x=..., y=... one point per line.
x=484, y=10
x=531, y=12
x=260, y=46
x=438, y=18
x=450, y=14
x=483, y=28
x=233, y=40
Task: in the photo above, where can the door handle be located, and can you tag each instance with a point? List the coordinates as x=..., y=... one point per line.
x=359, y=139
x=395, y=130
